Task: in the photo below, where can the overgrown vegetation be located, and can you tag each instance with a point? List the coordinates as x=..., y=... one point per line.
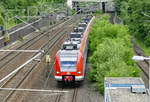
x=136, y=14
x=98, y=13
x=20, y=8
x=21, y=39
x=111, y=52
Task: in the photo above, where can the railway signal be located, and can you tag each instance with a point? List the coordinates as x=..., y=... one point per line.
x=48, y=59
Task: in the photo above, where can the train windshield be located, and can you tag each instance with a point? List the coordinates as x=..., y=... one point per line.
x=75, y=36
x=68, y=65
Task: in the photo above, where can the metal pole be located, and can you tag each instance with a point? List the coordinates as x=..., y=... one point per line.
x=28, y=13
x=48, y=46
x=5, y=21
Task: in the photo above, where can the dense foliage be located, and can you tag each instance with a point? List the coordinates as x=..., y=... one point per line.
x=111, y=52
x=25, y=3
x=19, y=8
x=136, y=14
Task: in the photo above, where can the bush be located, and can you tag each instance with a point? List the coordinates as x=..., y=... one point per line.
x=111, y=52
x=100, y=12
x=131, y=11
x=73, y=12
x=21, y=39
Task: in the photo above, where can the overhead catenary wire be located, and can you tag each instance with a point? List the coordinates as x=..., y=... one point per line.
x=33, y=90
x=32, y=51
x=19, y=68
x=27, y=23
x=22, y=27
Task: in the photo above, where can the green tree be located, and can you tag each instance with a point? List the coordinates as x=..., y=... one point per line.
x=111, y=52
x=134, y=12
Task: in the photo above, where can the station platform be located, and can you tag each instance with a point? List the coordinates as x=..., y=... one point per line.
x=120, y=89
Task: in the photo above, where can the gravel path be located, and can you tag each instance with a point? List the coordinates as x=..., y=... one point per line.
x=86, y=92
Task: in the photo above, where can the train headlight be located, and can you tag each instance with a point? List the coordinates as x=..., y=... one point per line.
x=79, y=72
x=57, y=72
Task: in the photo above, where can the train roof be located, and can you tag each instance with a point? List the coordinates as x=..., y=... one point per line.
x=73, y=44
x=70, y=45
x=79, y=29
x=77, y=33
x=82, y=24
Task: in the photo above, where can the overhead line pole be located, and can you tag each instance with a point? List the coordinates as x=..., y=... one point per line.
x=28, y=13
x=48, y=46
x=5, y=21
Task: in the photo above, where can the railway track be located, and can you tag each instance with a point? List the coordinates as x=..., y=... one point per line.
x=29, y=69
x=75, y=95
x=39, y=98
x=7, y=60
x=144, y=64
x=11, y=55
x=71, y=96
x=38, y=35
x=23, y=74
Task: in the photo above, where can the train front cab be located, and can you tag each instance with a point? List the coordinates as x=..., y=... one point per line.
x=75, y=73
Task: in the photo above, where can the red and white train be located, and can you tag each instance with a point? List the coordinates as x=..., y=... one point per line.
x=70, y=60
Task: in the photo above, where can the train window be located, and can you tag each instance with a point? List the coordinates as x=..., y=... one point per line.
x=80, y=29
x=70, y=47
x=75, y=36
x=82, y=25
x=68, y=65
x=75, y=30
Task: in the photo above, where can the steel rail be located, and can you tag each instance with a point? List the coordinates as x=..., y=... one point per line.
x=9, y=60
x=140, y=52
x=8, y=96
x=13, y=58
x=60, y=36
x=75, y=95
x=29, y=41
x=59, y=96
x=43, y=47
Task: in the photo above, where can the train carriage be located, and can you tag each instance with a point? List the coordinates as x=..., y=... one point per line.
x=70, y=60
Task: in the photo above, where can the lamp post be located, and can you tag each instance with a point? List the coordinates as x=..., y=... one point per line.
x=142, y=58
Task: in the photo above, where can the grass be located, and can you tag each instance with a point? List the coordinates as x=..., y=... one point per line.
x=21, y=39
x=144, y=47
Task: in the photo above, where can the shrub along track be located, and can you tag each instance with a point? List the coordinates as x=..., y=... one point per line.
x=25, y=75
x=137, y=50
x=143, y=65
